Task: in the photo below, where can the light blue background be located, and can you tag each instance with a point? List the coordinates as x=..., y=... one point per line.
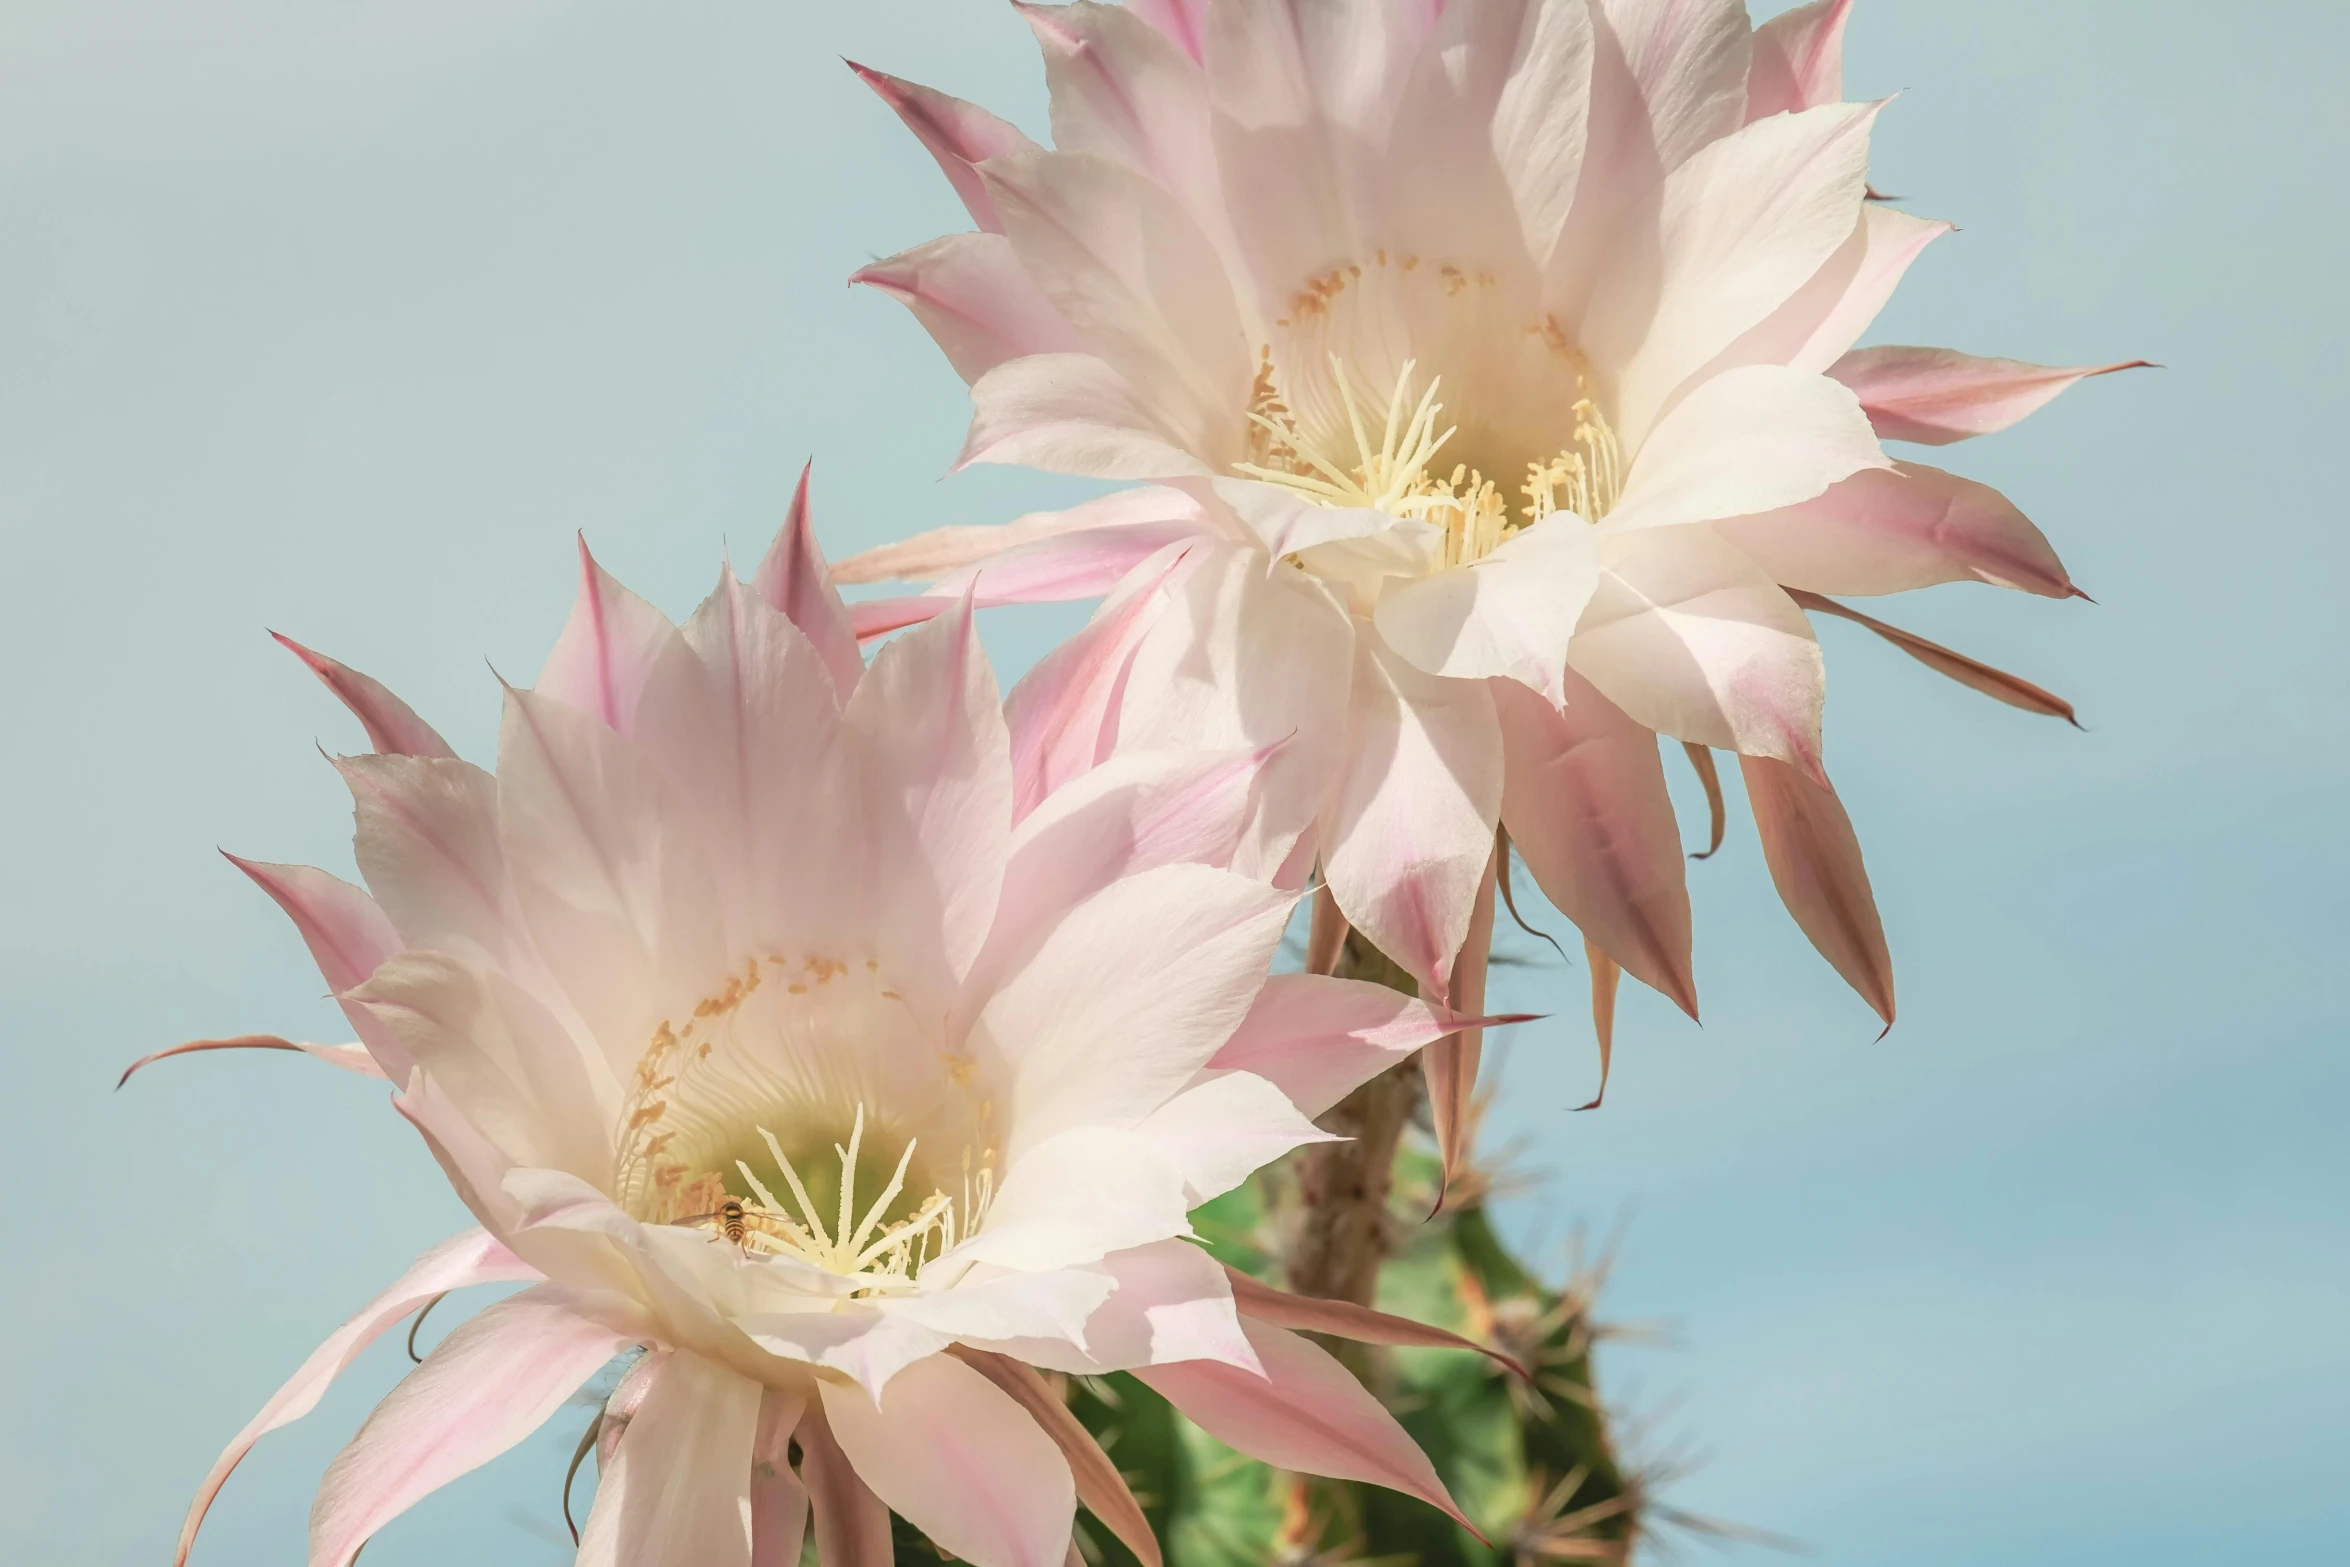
x=341, y=318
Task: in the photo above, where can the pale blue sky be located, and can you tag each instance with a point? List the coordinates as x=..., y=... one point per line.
x=341, y=318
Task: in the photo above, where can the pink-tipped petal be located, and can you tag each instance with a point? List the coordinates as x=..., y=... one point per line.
x=484, y=1388
x=1972, y=673
x=1344, y=1319
x=793, y=582
x=1063, y=714
x=1409, y=831
x=1184, y=21
x=427, y=842
x=1604, y=974
x=608, y=649
x=958, y=134
x=1224, y=1128
x=1798, y=60
x=1305, y=1413
x=1586, y=805
x=1319, y=1038
x=972, y=297
x=1072, y=413
x=1935, y=396
x=352, y=1058
x=929, y=557
x=1450, y=1064
x=348, y=937
x=850, y=1523
x=1080, y=565
x=469, y=1258
x=1815, y=862
x=1100, y=1486
x=678, y=1490
x=392, y=726
x=961, y=1461
x=1891, y=530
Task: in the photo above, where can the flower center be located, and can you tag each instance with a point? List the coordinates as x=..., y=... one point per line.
x=1396, y=473
x=735, y=1118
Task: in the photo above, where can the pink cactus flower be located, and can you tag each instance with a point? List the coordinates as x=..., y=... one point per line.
x=853, y=1049
x=1497, y=358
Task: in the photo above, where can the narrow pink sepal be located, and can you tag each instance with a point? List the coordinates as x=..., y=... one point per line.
x=1450, y=1064
x=793, y=582
x=1935, y=396
x=1815, y=862
x=1253, y=1297
x=345, y=931
x=608, y=649
x=1306, y=1413
x=1972, y=673
x=958, y=135
x=351, y=1058
x=469, y=1258
x=1604, y=975
x=850, y=1524
x=392, y=725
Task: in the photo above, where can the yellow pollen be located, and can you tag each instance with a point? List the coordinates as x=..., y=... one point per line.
x=1393, y=474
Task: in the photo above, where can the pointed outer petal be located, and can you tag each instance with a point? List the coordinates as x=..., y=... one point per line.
x=779, y=1503
x=1132, y=814
x=1261, y=1302
x=1225, y=1128
x=468, y=1258
x=1492, y=120
x=930, y=728
x=1815, y=862
x=1409, y=830
x=1450, y=1065
x=1890, y=530
x=1326, y=937
x=1063, y=715
x=1077, y=1197
x=1123, y=91
x=1701, y=760
x=958, y=135
x=1071, y=413
x=1750, y=440
x=1099, y=1485
x=1745, y=223
x=607, y=649
x=427, y=842
x=1171, y=1302
x=927, y=557
x=793, y=582
x=850, y=1522
x=484, y=1388
x=606, y=868
x=1145, y=289
x=1510, y=614
x=1585, y=803
x=1688, y=637
x=679, y=1490
x=1184, y=21
x=1973, y=673
x=1081, y=565
x=1828, y=314
x=1935, y=396
x=1317, y=1038
x=348, y=937
x=971, y=296
x=1307, y=1413
x=353, y=1058
x=1604, y=975
x=1798, y=60
x=1165, y=961
x=1689, y=62
x=961, y=1461
x=392, y=726
x=520, y=1078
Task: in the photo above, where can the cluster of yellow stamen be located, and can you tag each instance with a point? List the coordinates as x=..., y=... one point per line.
x=1393, y=474
x=880, y=1253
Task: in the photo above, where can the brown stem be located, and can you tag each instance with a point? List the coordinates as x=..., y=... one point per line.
x=1341, y=1236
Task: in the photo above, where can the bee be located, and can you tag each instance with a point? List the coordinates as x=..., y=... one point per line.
x=738, y=1224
